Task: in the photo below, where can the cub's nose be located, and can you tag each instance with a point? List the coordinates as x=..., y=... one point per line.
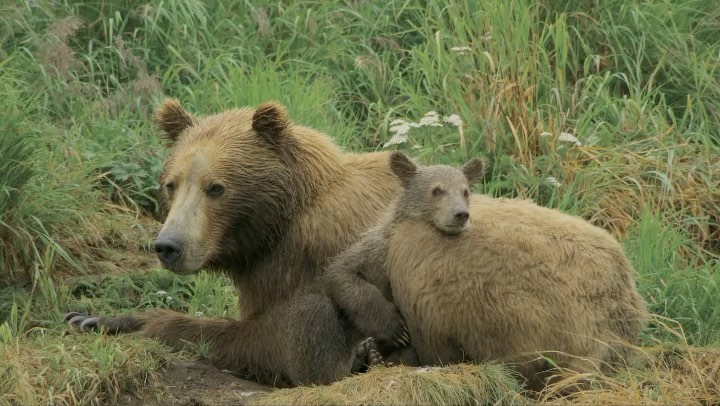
x=168, y=251
x=461, y=216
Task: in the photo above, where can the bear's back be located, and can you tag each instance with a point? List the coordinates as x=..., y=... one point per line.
x=345, y=209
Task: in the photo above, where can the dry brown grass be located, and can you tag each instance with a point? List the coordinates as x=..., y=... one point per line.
x=658, y=376
x=55, y=55
x=455, y=385
x=665, y=375
x=619, y=185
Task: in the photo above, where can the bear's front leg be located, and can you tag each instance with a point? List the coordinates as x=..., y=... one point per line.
x=250, y=348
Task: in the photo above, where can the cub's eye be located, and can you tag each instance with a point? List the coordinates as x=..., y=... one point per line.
x=216, y=190
x=437, y=191
x=466, y=193
x=170, y=188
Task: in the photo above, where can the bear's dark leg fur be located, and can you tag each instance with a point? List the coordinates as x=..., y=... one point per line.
x=250, y=348
x=319, y=344
x=303, y=343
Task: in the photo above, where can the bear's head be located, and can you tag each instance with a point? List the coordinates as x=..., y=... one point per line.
x=228, y=187
x=439, y=194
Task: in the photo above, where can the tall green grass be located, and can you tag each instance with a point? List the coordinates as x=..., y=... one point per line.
x=674, y=279
x=45, y=192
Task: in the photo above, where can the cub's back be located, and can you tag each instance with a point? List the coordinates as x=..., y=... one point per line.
x=519, y=276
x=509, y=238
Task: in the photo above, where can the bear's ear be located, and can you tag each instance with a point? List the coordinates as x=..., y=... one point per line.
x=271, y=122
x=402, y=167
x=172, y=120
x=474, y=169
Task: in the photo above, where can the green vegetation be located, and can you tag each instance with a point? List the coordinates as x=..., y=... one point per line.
x=606, y=109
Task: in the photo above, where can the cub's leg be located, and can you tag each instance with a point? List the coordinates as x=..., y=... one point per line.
x=322, y=347
x=354, y=281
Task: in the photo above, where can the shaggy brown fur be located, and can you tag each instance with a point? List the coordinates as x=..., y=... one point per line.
x=268, y=202
x=519, y=282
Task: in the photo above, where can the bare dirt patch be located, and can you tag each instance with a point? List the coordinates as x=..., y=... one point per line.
x=196, y=383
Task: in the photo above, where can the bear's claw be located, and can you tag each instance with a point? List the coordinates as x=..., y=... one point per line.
x=70, y=315
x=89, y=324
x=76, y=320
x=81, y=321
x=403, y=340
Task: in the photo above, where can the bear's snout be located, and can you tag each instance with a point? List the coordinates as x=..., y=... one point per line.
x=461, y=216
x=168, y=251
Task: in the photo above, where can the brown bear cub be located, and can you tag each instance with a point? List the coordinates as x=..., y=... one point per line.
x=357, y=281
x=267, y=201
x=477, y=278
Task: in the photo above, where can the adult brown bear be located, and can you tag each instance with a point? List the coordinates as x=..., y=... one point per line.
x=269, y=202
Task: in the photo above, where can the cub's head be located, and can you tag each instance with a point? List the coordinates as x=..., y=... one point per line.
x=437, y=193
x=227, y=186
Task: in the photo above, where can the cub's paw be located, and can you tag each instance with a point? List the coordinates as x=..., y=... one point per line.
x=367, y=355
x=111, y=325
x=395, y=334
x=386, y=325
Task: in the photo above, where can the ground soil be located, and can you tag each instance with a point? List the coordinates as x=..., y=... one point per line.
x=195, y=383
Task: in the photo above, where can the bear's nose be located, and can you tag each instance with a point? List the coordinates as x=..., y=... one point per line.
x=461, y=216
x=168, y=251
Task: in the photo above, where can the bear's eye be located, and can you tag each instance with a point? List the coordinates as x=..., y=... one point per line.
x=437, y=191
x=466, y=193
x=170, y=188
x=216, y=190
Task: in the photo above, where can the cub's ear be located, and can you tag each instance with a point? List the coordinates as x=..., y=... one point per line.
x=171, y=119
x=271, y=122
x=402, y=167
x=474, y=169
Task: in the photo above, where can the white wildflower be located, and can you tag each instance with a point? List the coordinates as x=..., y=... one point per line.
x=430, y=121
x=199, y=314
x=545, y=134
x=400, y=128
x=431, y=113
x=567, y=137
x=460, y=50
x=453, y=119
x=169, y=298
x=161, y=293
x=396, y=139
x=417, y=146
x=552, y=181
